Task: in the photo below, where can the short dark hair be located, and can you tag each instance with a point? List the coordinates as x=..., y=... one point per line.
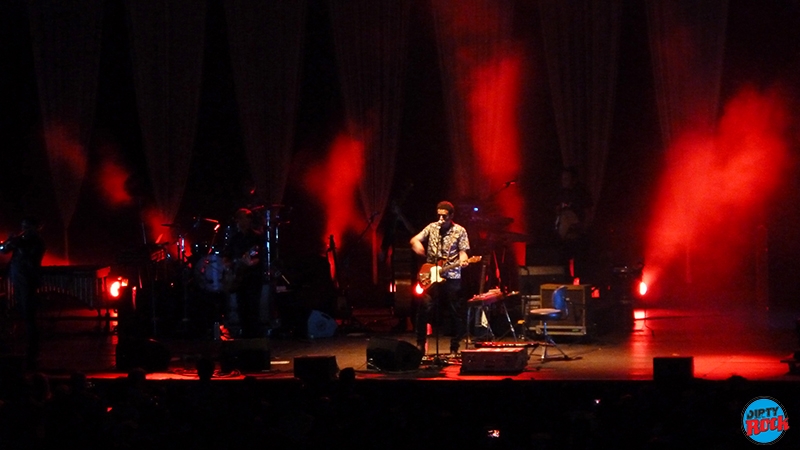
x=446, y=206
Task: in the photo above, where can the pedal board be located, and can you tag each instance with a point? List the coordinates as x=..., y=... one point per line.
x=494, y=360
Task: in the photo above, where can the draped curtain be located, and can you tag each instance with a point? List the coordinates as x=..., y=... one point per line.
x=581, y=42
x=266, y=40
x=370, y=38
x=472, y=36
x=687, y=42
x=167, y=38
x=66, y=38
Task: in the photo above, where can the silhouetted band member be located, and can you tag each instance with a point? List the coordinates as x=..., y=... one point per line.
x=27, y=249
x=245, y=270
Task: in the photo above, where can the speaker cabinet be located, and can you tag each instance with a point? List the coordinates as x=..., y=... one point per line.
x=147, y=354
x=673, y=368
x=245, y=355
x=315, y=369
x=531, y=278
x=575, y=323
x=392, y=355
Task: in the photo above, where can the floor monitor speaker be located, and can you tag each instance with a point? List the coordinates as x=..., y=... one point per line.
x=392, y=355
x=245, y=355
x=673, y=368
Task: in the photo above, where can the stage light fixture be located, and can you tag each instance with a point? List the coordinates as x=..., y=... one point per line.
x=626, y=288
x=115, y=289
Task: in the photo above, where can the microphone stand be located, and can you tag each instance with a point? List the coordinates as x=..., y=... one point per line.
x=437, y=360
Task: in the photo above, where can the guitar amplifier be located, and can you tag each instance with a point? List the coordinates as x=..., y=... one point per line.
x=575, y=323
x=532, y=277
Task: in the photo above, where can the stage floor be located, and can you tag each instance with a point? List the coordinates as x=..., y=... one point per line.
x=722, y=344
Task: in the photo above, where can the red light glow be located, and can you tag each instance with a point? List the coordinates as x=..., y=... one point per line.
x=158, y=233
x=51, y=259
x=493, y=103
x=115, y=289
x=489, y=65
x=70, y=156
x=112, y=178
x=335, y=183
x=712, y=194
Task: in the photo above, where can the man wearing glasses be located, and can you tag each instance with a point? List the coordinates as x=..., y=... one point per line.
x=444, y=244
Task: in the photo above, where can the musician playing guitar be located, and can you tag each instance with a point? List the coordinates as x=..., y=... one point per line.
x=244, y=273
x=443, y=243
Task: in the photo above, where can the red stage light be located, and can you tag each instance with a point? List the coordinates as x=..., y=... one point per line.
x=714, y=190
x=115, y=290
x=335, y=183
x=418, y=289
x=112, y=178
x=642, y=288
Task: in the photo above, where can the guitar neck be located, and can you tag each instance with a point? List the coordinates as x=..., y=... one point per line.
x=450, y=266
x=458, y=263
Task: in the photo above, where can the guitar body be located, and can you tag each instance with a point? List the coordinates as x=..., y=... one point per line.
x=430, y=274
x=238, y=269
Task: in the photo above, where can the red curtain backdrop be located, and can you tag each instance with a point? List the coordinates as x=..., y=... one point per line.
x=66, y=39
x=167, y=39
x=581, y=44
x=371, y=43
x=472, y=36
x=483, y=68
x=266, y=41
x=687, y=43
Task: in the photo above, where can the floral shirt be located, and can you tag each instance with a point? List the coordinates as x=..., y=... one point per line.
x=444, y=247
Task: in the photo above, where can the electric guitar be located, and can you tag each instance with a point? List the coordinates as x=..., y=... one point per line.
x=236, y=270
x=430, y=274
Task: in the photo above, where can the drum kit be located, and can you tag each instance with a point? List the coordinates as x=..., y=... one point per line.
x=204, y=275
x=199, y=248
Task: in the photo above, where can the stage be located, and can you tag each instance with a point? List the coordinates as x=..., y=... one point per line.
x=721, y=344
x=307, y=393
